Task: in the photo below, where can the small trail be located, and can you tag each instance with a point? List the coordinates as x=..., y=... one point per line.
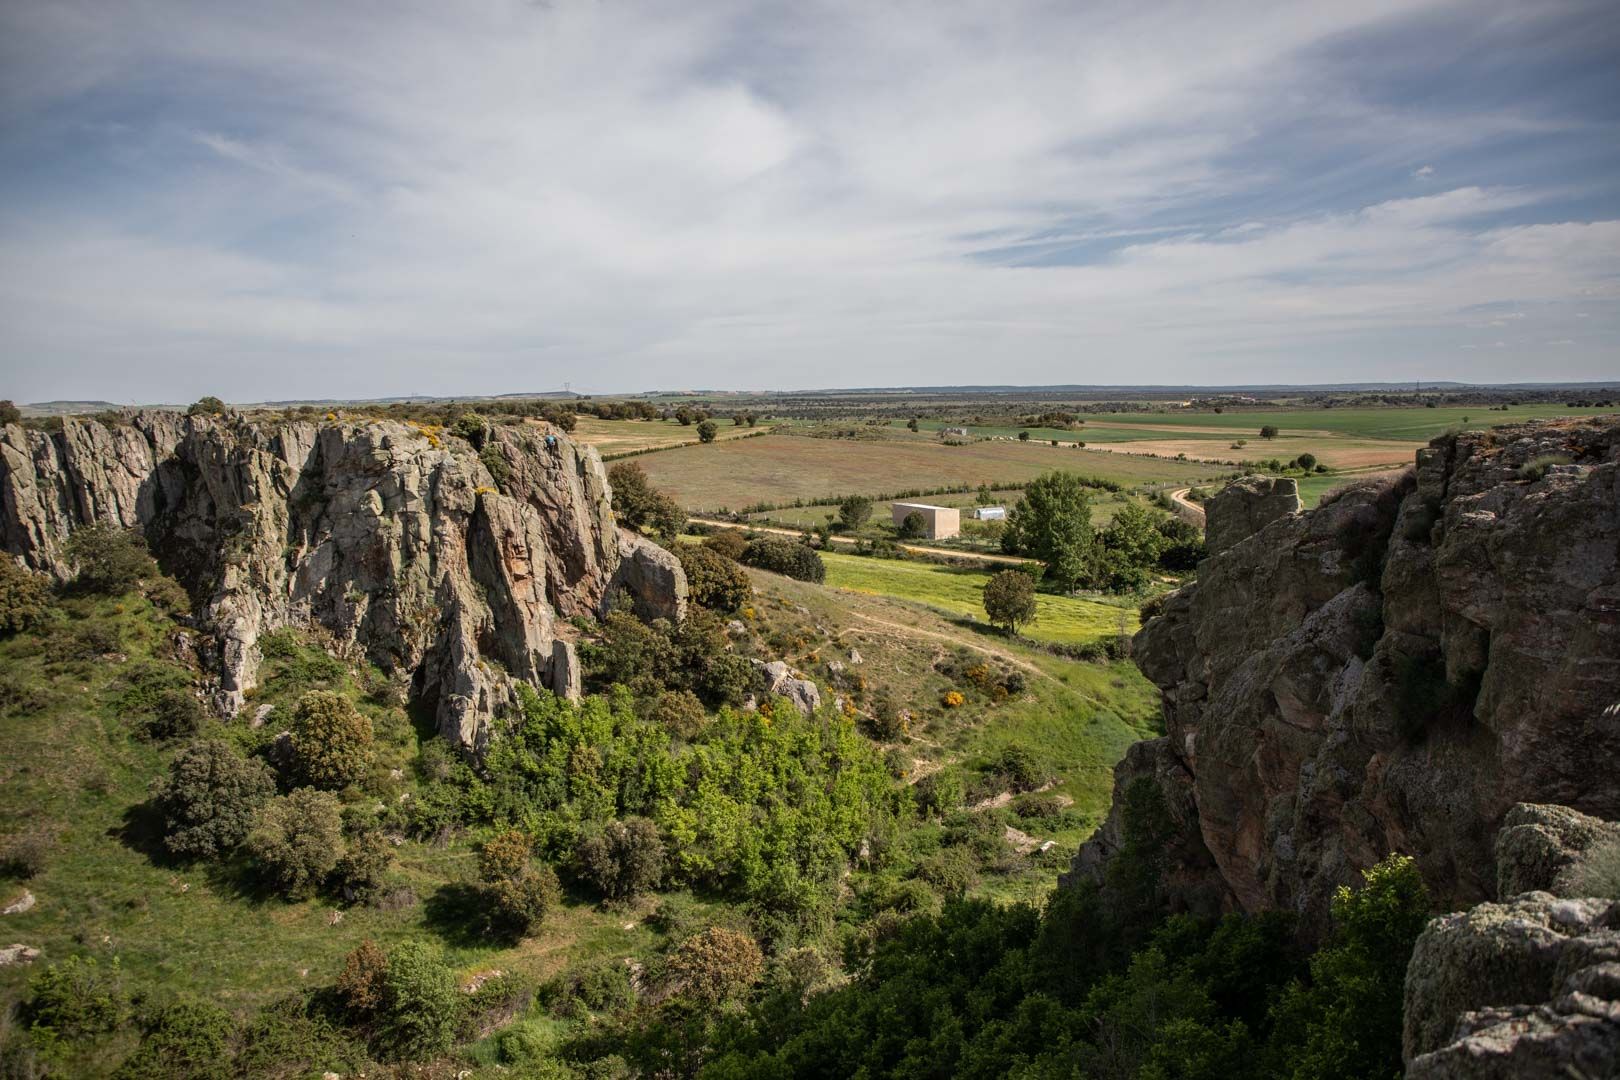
x=914, y=632
x=846, y=541
x=1186, y=507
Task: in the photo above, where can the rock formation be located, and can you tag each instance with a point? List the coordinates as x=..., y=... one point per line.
x=1392, y=671
x=445, y=556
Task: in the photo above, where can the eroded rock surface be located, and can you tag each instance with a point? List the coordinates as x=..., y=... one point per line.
x=1247, y=505
x=396, y=538
x=1392, y=671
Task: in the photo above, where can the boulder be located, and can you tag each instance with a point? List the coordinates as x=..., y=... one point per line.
x=1526, y=988
x=781, y=680
x=1247, y=505
x=18, y=954
x=19, y=904
x=651, y=576
x=1537, y=843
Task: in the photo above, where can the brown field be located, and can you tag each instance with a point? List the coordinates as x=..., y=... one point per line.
x=623, y=436
x=783, y=468
x=1336, y=452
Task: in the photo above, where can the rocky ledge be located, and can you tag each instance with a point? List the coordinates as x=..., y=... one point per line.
x=1392, y=671
x=453, y=559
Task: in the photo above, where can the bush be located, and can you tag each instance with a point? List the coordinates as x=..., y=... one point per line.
x=519, y=890
x=207, y=406
x=888, y=722
x=26, y=854
x=210, y=799
x=1537, y=467
x=176, y=714
x=787, y=557
x=716, y=966
x=1268, y=431
x=913, y=526
x=421, y=1003
x=297, y=840
x=678, y=712
x=600, y=987
x=360, y=873
x=25, y=597
x=75, y=1000
x=1306, y=461
x=712, y=579
x=640, y=507
x=1009, y=599
x=331, y=741
x=728, y=542
x=189, y=1040
x=855, y=511
x=9, y=413
x=940, y=793
x=1018, y=768
x=951, y=872
x=110, y=560
x=362, y=986
x=707, y=430
x=622, y=858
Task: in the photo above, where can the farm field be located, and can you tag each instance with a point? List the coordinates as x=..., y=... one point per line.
x=1103, y=508
x=612, y=437
x=1065, y=620
x=1413, y=424
x=785, y=468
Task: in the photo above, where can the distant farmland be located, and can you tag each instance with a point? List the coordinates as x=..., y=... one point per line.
x=783, y=468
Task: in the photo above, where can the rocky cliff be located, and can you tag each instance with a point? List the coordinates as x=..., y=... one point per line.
x=1392, y=671
x=454, y=559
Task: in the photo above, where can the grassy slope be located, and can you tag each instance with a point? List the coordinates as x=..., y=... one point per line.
x=783, y=468
x=959, y=591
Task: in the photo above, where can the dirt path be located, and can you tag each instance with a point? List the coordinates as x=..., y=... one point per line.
x=917, y=549
x=1186, y=508
x=914, y=632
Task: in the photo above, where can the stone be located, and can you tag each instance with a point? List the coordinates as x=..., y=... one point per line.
x=566, y=674
x=1537, y=843
x=392, y=538
x=1395, y=670
x=855, y=656
x=1247, y=505
x=18, y=954
x=1528, y=988
x=780, y=680
x=260, y=715
x=19, y=904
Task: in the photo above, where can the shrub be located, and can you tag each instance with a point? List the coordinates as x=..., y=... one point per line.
x=707, y=430
x=331, y=741
x=716, y=966
x=940, y=793
x=297, y=840
x=913, y=526
x=519, y=890
x=207, y=406
x=24, y=597
x=499, y=469
x=188, y=1040
x=951, y=872
x=9, y=413
x=421, y=1003
x=362, y=985
x=639, y=506
x=1537, y=467
x=360, y=873
x=600, y=987
x=1009, y=599
x=952, y=699
x=1018, y=768
x=854, y=511
x=728, y=542
x=1268, y=431
x=1306, y=461
x=787, y=557
x=210, y=798
x=888, y=721
x=713, y=580
x=175, y=714
x=26, y=854
x=1595, y=872
x=75, y=999
x=622, y=858
x=110, y=560
x=678, y=712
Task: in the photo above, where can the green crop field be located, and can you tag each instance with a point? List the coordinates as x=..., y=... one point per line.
x=784, y=468
x=1412, y=424
x=1066, y=620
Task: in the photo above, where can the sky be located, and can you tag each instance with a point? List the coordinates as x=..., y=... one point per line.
x=277, y=200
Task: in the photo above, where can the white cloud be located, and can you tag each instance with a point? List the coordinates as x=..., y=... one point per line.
x=505, y=196
x=1423, y=173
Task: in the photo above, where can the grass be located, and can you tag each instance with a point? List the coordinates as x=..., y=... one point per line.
x=1412, y=424
x=626, y=436
x=786, y=468
x=1103, y=508
x=1065, y=620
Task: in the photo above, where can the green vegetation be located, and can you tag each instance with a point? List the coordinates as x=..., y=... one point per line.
x=793, y=558
x=637, y=505
x=1009, y=599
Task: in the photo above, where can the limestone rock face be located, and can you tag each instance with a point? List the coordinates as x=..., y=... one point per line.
x=1246, y=506
x=1526, y=989
x=395, y=538
x=1392, y=671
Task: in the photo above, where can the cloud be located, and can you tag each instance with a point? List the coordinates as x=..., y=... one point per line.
x=451, y=199
x=1423, y=173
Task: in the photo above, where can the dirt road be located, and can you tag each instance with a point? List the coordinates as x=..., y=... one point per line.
x=916, y=549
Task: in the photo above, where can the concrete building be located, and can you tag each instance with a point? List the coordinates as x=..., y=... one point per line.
x=940, y=522
x=991, y=513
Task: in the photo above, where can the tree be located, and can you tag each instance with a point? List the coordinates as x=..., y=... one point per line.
x=1306, y=461
x=297, y=841
x=622, y=858
x=715, y=966
x=913, y=526
x=75, y=999
x=421, y=1003
x=362, y=985
x=1052, y=523
x=1009, y=599
x=1268, y=431
x=24, y=597
x=331, y=741
x=854, y=511
x=110, y=559
x=1023, y=436
x=210, y=798
x=207, y=406
x=1131, y=545
x=9, y=413
x=713, y=580
x=707, y=431
x=641, y=507
x=783, y=556
x=685, y=416
x=520, y=891
x=911, y=425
